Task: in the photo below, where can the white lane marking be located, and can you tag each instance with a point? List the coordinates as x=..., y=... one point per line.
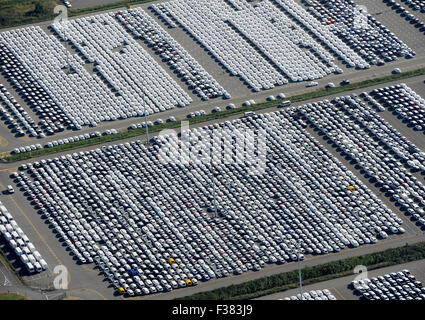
x=6, y=280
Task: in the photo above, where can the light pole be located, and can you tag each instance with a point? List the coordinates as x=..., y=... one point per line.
x=146, y=123
x=299, y=269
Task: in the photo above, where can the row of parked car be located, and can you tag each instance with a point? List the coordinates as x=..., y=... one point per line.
x=16, y=118
x=415, y=4
x=276, y=36
x=360, y=30
x=18, y=241
x=160, y=11
x=143, y=27
x=59, y=142
x=324, y=33
x=141, y=219
x=29, y=88
x=205, y=21
x=355, y=128
x=400, y=285
x=406, y=14
x=137, y=88
x=324, y=294
x=404, y=103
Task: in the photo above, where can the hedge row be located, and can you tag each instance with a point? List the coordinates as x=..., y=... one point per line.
x=213, y=116
x=104, y=7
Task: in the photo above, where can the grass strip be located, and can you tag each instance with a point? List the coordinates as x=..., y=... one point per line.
x=11, y=296
x=213, y=116
x=14, y=13
x=323, y=272
x=21, y=12
x=104, y=7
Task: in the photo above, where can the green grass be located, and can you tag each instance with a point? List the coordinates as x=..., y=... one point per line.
x=11, y=296
x=15, y=13
x=20, y=12
x=323, y=272
x=213, y=116
x=104, y=7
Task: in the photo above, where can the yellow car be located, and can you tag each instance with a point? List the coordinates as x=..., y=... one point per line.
x=171, y=261
x=121, y=290
x=188, y=282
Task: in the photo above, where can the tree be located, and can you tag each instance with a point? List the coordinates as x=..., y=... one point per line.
x=40, y=9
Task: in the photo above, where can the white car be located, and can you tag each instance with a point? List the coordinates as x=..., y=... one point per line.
x=312, y=84
x=10, y=189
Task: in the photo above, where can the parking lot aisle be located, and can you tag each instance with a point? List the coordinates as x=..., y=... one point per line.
x=3, y=142
x=339, y=294
x=85, y=274
x=181, y=113
x=86, y=294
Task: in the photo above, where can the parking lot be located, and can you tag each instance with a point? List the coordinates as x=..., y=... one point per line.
x=87, y=281
x=238, y=91
x=55, y=254
x=340, y=287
